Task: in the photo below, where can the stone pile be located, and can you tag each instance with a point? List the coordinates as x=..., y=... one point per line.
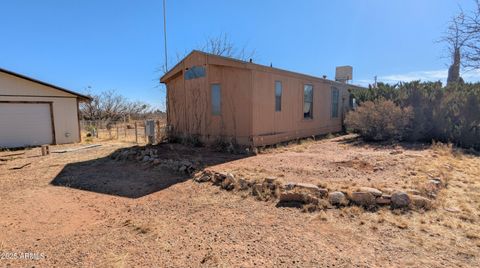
x=301, y=194
x=149, y=156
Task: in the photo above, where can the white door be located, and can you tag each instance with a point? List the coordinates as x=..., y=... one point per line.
x=23, y=124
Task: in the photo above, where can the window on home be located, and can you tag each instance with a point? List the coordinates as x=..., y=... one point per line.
x=335, y=95
x=216, y=99
x=307, y=101
x=278, y=96
x=195, y=72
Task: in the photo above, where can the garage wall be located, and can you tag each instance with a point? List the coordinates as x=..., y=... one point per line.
x=64, y=104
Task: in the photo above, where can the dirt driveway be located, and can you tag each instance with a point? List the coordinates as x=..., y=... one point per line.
x=83, y=209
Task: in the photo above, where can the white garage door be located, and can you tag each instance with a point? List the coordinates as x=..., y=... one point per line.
x=23, y=124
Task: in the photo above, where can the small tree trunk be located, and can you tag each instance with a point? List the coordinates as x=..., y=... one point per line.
x=454, y=70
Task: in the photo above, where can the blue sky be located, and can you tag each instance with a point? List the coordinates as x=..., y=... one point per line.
x=119, y=44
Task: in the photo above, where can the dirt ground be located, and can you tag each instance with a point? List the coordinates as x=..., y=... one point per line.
x=81, y=208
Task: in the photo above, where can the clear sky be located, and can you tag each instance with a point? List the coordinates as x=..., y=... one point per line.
x=118, y=44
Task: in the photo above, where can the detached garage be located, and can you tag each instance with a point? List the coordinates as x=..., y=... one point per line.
x=33, y=112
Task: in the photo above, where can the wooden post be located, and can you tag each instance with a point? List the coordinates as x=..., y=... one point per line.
x=157, y=133
x=145, y=131
x=136, y=132
x=45, y=150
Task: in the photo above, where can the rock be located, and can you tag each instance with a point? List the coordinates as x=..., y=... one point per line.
x=362, y=198
x=242, y=184
x=202, y=178
x=452, y=209
x=182, y=169
x=306, y=187
x=270, y=179
x=217, y=178
x=228, y=183
x=400, y=200
x=421, y=202
x=257, y=189
x=373, y=191
x=146, y=158
x=437, y=182
x=337, y=199
x=291, y=197
x=322, y=192
x=383, y=200
x=297, y=197
x=156, y=161
x=289, y=185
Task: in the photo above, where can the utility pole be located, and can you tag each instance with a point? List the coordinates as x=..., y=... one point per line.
x=165, y=35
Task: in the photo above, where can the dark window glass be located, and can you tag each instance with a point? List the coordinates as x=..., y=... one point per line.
x=335, y=96
x=195, y=72
x=307, y=101
x=278, y=96
x=216, y=99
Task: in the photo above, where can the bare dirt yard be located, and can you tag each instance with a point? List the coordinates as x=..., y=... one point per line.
x=83, y=208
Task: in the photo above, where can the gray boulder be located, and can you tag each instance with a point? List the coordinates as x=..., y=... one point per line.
x=337, y=199
x=362, y=198
x=400, y=200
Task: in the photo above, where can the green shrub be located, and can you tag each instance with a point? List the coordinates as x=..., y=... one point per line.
x=380, y=120
x=447, y=114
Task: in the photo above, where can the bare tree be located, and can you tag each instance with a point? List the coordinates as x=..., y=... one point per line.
x=223, y=46
x=472, y=29
x=455, y=38
x=110, y=106
x=220, y=45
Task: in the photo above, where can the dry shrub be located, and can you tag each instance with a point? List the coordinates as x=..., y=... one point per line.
x=380, y=120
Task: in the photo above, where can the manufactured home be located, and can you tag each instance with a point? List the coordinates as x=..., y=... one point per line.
x=213, y=97
x=33, y=112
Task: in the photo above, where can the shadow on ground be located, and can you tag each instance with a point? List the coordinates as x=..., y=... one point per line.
x=133, y=179
x=356, y=140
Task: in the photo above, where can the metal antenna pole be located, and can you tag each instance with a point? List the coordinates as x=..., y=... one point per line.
x=165, y=35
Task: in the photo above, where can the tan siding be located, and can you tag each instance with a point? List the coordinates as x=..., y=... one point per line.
x=64, y=104
x=64, y=114
x=12, y=85
x=248, y=103
x=270, y=126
